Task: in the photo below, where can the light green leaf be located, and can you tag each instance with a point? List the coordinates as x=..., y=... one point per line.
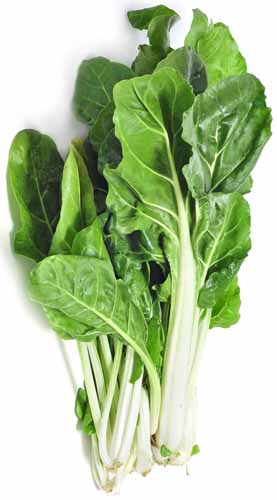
x=227, y=128
x=85, y=290
x=216, y=47
x=225, y=312
x=67, y=328
x=34, y=176
x=199, y=27
x=78, y=209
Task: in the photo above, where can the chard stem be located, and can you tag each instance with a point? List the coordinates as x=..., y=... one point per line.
x=123, y=403
x=131, y=421
x=107, y=362
x=103, y=441
x=90, y=385
x=144, y=452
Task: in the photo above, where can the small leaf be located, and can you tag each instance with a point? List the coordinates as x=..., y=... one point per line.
x=165, y=452
x=195, y=450
x=34, y=176
x=80, y=403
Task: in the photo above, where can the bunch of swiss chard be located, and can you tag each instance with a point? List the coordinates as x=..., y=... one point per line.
x=139, y=235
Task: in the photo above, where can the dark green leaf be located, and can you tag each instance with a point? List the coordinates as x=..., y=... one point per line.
x=189, y=64
x=158, y=21
x=146, y=60
x=227, y=127
x=93, y=97
x=34, y=176
x=80, y=403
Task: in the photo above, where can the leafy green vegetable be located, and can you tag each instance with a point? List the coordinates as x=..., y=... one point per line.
x=227, y=127
x=78, y=209
x=140, y=236
x=93, y=103
x=34, y=175
x=157, y=21
x=189, y=64
x=216, y=47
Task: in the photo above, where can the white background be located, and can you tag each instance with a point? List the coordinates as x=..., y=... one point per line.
x=42, y=455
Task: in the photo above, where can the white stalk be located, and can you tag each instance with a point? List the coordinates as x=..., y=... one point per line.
x=103, y=438
x=144, y=460
x=107, y=362
x=99, y=473
x=125, y=469
x=131, y=422
x=123, y=404
x=90, y=385
x=175, y=372
x=97, y=371
x=190, y=423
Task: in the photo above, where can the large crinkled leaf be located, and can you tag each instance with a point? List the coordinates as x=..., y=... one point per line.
x=78, y=209
x=227, y=127
x=86, y=290
x=148, y=121
x=216, y=47
x=93, y=97
x=34, y=176
x=189, y=65
x=158, y=21
x=221, y=243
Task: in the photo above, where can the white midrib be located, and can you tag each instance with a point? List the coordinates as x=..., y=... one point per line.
x=172, y=416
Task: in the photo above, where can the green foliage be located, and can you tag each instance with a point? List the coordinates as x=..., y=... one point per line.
x=34, y=176
x=216, y=47
x=140, y=236
x=158, y=22
x=227, y=127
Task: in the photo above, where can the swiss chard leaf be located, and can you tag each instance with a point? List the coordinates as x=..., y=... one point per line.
x=216, y=47
x=86, y=290
x=227, y=127
x=225, y=312
x=93, y=97
x=78, y=209
x=221, y=243
x=158, y=21
x=157, y=103
x=189, y=65
x=34, y=176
